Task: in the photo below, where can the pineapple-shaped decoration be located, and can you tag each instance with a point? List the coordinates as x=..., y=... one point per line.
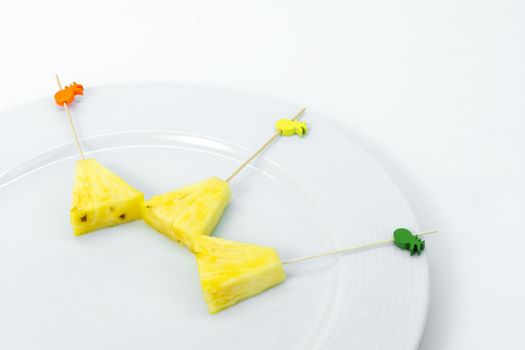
x=100, y=198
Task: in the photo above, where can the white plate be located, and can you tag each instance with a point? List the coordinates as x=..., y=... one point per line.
x=129, y=287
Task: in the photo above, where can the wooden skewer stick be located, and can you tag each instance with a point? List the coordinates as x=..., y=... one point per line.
x=266, y=144
x=352, y=248
x=71, y=124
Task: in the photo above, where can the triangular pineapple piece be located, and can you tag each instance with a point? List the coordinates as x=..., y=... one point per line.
x=101, y=198
x=189, y=211
x=231, y=272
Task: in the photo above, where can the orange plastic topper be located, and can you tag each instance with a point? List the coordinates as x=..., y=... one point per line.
x=67, y=94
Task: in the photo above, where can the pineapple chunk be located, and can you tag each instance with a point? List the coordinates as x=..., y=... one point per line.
x=189, y=211
x=231, y=272
x=101, y=198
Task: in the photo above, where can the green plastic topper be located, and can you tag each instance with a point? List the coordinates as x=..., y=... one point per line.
x=404, y=239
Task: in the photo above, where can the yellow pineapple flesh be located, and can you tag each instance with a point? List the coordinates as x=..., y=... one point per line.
x=231, y=272
x=101, y=198
x=188, y=212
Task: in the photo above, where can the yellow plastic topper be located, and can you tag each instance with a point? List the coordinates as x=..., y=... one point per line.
x=289, y=127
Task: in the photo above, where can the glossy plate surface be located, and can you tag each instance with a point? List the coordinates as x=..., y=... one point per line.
x=130, y=287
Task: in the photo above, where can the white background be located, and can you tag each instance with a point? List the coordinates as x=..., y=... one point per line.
x=433, y=90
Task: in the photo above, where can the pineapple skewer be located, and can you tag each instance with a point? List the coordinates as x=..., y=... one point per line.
x=100, y=198
x=196, y=209
x=231, y=272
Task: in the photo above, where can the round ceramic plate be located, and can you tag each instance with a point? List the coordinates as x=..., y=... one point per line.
x=128, y=287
